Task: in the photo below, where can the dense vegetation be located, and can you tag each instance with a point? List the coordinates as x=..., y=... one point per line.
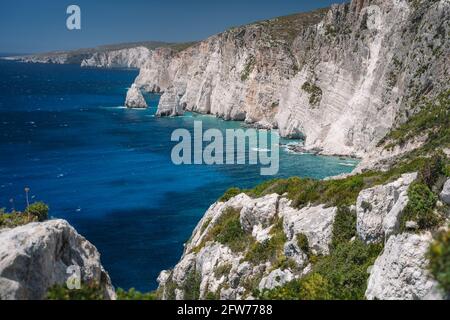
x=342, y=192
x=439, y=256
x=133, y=294
x=33, y=213
x=269, y=250
x=86, y=292
x=341, y=275
x=421, y=207
x=433, y=120
x=228, y=231
x=94, y=292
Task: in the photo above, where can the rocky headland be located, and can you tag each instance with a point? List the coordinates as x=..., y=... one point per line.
x=368, y=79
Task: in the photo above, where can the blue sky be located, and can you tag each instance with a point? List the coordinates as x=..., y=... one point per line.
x=35, y=26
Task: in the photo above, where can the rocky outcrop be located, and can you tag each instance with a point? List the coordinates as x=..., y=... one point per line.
x=135, y=99
x=315, y=222
x=342, y=77
x=445, y=194
x=400, y=272
x=279, y=243
x=379, y=209
x=36, y=256
x=231, y=274
x=169, y=104
x=276, y=279
x=124, y=58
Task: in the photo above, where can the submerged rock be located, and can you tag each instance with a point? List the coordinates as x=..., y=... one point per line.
x=135, y=99
x=401, y=271
x=36, y=256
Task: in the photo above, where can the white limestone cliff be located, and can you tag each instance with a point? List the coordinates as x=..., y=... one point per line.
x=344, y=79
x=124, y=58
x=36, y=256
x=135, y=99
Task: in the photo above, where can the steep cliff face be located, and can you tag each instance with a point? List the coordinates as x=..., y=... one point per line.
x=342, y=77
x=36, y=256
x=124, y=58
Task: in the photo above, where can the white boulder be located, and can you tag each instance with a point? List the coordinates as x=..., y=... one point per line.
x=379, y=209
x=275, y=279
x=316, y=223
x=36, y=256
x=401, y=271
x=259, y=212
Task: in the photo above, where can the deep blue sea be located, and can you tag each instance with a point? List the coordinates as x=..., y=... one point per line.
x=65, y=134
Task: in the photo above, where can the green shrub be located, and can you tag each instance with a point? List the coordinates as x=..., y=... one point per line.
x=439, y=255
x=447, y=170
x=342, y=275
x=302, y=242
x=346, y=269
x=132, y=294
x=38, y=210
x=191, y=286
x=270, y=250
x=344, y=227
x=248, y=68
x=311, y=287
x=15, y=219
x=205, y=225
x=433, y=169
x=228, y=231
x=213, y=295
x=230, y=193
x=222, y=270
x=420, y=207
x=432, y=119
x=87, y=292
x=315, y=93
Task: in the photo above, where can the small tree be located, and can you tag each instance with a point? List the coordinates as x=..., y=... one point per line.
x=38, y=210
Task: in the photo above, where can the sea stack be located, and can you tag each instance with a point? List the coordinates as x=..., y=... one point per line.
x=135, y=99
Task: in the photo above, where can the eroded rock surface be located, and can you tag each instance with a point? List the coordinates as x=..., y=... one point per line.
x=36, y=256
x=401, y=271
x=379, y=209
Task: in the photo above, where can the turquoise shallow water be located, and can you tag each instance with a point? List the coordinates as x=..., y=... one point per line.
x=107, y=170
